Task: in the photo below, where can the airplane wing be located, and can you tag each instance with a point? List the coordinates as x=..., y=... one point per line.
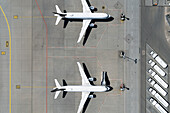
x=85, y=81
x=86, y=8
x=83, y=29
x=84, y=97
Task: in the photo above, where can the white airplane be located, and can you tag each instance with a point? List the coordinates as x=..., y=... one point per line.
x=86, y=88
x=87, y=16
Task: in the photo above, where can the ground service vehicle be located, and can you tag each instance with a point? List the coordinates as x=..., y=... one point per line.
x=158, y=106
x=159, y=70
x=160, y=81
x=158, y=59
x=161, y=62
x=160, y=99
x=157, y=87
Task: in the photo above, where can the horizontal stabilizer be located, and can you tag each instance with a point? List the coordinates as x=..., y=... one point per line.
x=59, y=15
x=58, y=20
x=57, y=83
x=56, y=94
x=57, y=9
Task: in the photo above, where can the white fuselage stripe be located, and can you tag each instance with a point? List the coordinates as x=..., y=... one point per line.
x=86, y=15
x=84, y=88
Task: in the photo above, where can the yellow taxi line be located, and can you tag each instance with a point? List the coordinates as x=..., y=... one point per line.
x=36, y=17
x=9, y=59
x=37, y=87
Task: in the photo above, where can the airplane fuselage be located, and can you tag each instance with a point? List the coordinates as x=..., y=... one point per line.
x=86, y=15
x=85, y=88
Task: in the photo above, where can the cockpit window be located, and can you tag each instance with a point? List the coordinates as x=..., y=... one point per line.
x=108, y=88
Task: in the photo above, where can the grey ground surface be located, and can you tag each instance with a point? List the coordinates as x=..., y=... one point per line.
x=32, y=37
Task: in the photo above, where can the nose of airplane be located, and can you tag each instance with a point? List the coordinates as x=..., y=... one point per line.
x=109, y=88
x=110, y=17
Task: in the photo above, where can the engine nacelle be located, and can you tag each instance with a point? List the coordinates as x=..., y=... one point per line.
x=92, y=96
x=92, y=25
x=92, y=8
x=92, y=79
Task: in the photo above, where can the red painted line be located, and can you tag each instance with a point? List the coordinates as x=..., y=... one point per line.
x=102, y=103
x=98, y=62
x=71, y=56
x=115, y=9
x=46, y=50
x=101, y=36
x=73, y=47
x=115, y=24
x=115, y=94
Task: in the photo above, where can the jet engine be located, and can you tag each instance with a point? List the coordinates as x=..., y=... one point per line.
x=92, y=79
x=92, y=8
x=92, y=96
x=92, y=25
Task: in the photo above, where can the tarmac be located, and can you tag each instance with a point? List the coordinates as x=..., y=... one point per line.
x=42, y=52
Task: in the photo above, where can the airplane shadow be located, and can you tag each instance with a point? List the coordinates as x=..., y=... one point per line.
x=107, y=80
x=88, y=3
x=86, y=103
x=87, y=73
x=65, y=23
x=94, y=20
x=89, y=29
x=88, y=76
